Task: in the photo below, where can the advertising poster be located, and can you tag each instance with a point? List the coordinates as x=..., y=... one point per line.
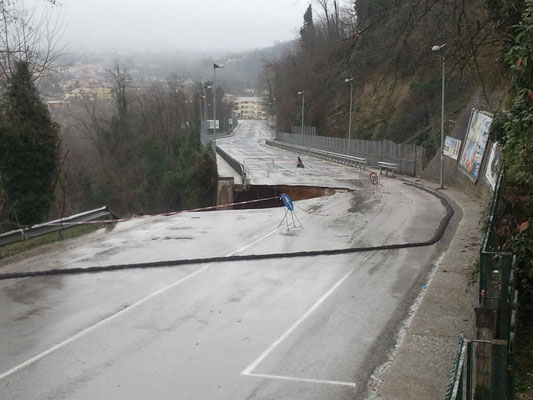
x=493, y=166
x=452, y=147
x=475, y=143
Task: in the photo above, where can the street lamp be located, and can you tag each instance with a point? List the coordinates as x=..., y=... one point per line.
x=439, y=48
x=302, y=93
x=202, y=99
x=350, y=120
x=225, y=120
x=215, y=66
x=206, y=86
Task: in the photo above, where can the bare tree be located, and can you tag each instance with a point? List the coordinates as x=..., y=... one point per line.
x=24, y=36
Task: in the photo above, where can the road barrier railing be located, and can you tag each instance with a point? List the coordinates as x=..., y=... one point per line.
x=385, y=166
x=237, y=166
x=457, y=376
x=258, y=163
x=54, y=226
x=405, y=156
x=322, y=154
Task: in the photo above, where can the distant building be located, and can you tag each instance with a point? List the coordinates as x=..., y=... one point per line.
x=57, y=105
x=250, y=107
x=97, y=93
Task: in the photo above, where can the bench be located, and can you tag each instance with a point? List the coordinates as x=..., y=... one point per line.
x=385, y=166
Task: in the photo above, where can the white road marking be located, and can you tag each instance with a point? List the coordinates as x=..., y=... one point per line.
x=98, y=324
x=255, y=363
x=290, y=378
x=248, y=370
x=254, y=242
x=119, y=313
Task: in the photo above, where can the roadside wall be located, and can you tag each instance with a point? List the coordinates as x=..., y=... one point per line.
x=453, y=175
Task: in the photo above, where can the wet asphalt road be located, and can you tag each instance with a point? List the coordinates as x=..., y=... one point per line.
x=300, y=328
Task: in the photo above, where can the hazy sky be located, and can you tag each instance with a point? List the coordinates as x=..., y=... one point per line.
x=179, y=24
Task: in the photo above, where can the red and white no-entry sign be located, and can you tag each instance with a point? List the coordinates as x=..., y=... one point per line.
x=374, y=178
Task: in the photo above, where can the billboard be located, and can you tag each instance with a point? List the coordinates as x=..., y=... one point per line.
x=475, y=143
x=493, y=166
x=452, y=147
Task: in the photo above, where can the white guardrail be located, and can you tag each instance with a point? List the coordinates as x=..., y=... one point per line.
x=53, y=226
x=325, y=155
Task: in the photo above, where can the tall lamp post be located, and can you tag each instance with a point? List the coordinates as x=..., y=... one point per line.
x=215, y=67
x=302, y=93
x=350, y=120
x=202, y=117
x=439, y=49
x=206, y=86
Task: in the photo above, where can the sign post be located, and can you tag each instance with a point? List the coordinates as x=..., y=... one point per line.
x=376, y=185
x=289, y=208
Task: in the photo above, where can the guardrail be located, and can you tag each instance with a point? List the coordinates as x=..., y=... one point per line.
x=387, y=167
x=456, y=384
x=53, y=226
x=237, y=166
x=322, y=154
x=405, y=156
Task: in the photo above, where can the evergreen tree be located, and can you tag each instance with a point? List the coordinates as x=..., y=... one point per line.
x=307, y=31
x=197, y=174
x=29, y=147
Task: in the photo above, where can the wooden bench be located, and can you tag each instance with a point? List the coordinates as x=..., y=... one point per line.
x=385, y=166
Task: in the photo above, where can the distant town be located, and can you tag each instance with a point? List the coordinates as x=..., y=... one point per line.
x=92, y=81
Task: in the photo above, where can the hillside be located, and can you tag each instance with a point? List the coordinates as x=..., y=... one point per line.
x=386, y=47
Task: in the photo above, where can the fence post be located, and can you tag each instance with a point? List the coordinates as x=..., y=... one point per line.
x=502, y=331
x=485, y=324
x=484, y=268
x=469, y=369
x=499, y=370
x=512, y=342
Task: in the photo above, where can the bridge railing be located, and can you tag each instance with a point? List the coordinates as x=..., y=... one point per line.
x=403, y=155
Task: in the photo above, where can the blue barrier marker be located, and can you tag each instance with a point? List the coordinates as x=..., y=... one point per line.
x=287, y=201
x=290, y=208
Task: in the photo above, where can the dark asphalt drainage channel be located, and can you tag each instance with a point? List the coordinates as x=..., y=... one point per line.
x=160, y=264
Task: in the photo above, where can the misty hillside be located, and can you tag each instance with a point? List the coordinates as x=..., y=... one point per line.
x=242, y=70
x=386, y=46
